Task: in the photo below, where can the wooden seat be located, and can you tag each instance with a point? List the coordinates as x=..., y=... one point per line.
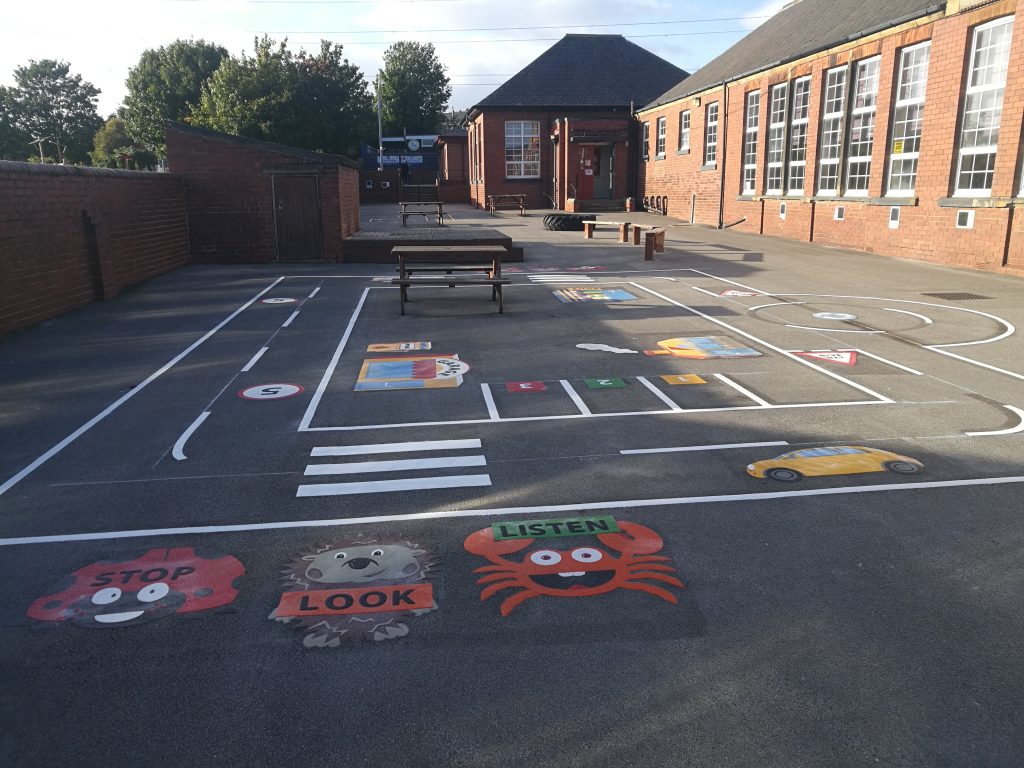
x=654, y=240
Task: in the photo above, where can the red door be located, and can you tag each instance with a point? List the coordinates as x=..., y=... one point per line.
x=585, y=185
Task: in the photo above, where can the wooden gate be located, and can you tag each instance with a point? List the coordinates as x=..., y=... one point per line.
x=297, y=217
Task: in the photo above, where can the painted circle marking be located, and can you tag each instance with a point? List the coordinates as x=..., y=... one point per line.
x=278, y=301
x=270, y=391
x=834, y=316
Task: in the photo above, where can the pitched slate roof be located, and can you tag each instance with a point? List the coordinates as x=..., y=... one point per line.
x=587, y=71
x=269, y=146
x=800, y=29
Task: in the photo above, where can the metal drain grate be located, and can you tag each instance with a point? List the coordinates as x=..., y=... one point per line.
x=952, y=296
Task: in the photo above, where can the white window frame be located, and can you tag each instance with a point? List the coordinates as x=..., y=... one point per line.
x=646, y=148
x=524, y=145
x=684, y=131
x=800, y=113
x=711, y=134
x=751, y=129
x=659, y=147
x=866, y=75
x=778, y=108
x=908, y=119
x=833, y=117
x=992, y=92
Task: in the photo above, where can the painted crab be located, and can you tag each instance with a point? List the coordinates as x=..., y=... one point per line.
x=626, y=560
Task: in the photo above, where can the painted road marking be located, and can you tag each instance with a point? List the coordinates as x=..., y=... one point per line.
x=686, y=448
x=178, y=452
x=391, y=486
x=927, y=320
x=526, y=386
x=604, y=383
x=291, y=317
x=254, y=358
x=1010, y=431
x=530, y=510
x=842, y=357
x=584, y=411
x=409, y=447
x=17, y=478
x=492, y=409
x=314, y=293
x=394, y=465
x=887, y=362
x=709, y=293
x=275, y=391
x=560, y=279
x=683, y=378
x=743, y=391
x=659, y=394
x=278, y=301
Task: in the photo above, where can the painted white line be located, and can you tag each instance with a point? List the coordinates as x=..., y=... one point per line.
x=801, y=360
x=179, y=447
x=584, y=411
x=709, y=293
x=511, y=419
x=252, y=361
x=397, y=465
x=425, y=445
x=314, y=293
x=288, y=322
x=10, y=483
x=827, y=330
x=927, y=320
x=659, y=394
x=498, y=512
x=743, y=391
x=1010, y=431
x=307, y=417
x=776, y=304
x=390, y=486
x=975, y=362
x=688, y=448
x=884, y=360
x=492, y=409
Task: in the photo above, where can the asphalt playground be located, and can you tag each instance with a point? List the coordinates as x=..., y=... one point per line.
x=252, y=516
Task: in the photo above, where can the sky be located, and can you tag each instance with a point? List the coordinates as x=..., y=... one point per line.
x=481, y=42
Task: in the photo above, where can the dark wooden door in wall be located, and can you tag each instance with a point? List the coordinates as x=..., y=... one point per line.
x=297, y=217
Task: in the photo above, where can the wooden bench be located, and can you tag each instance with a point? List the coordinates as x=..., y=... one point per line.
x=407, y=210
x=588, y=229
x=519, y=200
x=460, y=265
x=654, y=240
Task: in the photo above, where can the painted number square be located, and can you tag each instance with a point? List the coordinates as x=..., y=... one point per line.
x=605, y=383
x=526, y=386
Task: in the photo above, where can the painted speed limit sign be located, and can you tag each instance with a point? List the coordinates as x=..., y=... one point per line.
x=270, y=391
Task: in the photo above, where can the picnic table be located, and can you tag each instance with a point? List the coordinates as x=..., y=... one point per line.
x=457, y=264
x=493, y=201
x=413, y=209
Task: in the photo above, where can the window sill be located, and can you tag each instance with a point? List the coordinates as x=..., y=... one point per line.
x=682, y=151
x=709, y=167
x=980, y=202
x=514, y=179
x=659, y=157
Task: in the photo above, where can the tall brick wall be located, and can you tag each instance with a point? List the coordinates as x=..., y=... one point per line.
x=927, y=230
x=70, y=236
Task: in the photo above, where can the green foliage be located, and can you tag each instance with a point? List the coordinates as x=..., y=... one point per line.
x=14, y=143
x=51, y=103
x=318, y=102
x=114, y=148
x=414, y=89
x=167, y=84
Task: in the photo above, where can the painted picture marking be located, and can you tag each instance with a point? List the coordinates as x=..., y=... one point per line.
x=400, y=346
x=703, y=348
x=581, y=293
x=603, y=563
x=605, y=383
x=834, y=316
x=606, y=348
x=417, y=372
x=271, y=391
x=842, y=357
x=526, y=386
x=278, y=301
x=125, y=593
x=356, y=590
x=739, y=293
x=833, y=460
x=683, y=378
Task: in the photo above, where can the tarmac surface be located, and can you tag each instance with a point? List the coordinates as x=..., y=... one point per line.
x=235, y=532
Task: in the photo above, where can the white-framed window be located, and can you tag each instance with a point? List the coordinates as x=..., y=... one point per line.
x=830, y=144
x=907, y=118
x=522, y=149
x=862, y=127
x=776, y=138
x=646, y=147
x=711, y=134
x=660, y=146
x=983, y=108
x=799, y=116
x=751, y=124
x=684, y=131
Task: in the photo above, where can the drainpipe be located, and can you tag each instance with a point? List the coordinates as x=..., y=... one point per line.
x=724, y=153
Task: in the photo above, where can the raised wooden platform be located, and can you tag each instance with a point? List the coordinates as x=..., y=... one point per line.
x=369, y=247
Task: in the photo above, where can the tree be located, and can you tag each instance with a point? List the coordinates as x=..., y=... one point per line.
x=414, y=89
x=52, y=105
x=316, y=102
x=14, y=143
x=167, y=84
x=114, y=148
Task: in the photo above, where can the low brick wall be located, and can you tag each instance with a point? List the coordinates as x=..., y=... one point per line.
x=70, y=236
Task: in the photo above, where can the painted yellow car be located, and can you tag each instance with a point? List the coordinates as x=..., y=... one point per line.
x=833, y=460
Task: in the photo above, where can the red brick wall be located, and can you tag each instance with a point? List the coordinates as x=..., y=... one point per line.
x=926, y=230
x=229, y=196
x=70, y=236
